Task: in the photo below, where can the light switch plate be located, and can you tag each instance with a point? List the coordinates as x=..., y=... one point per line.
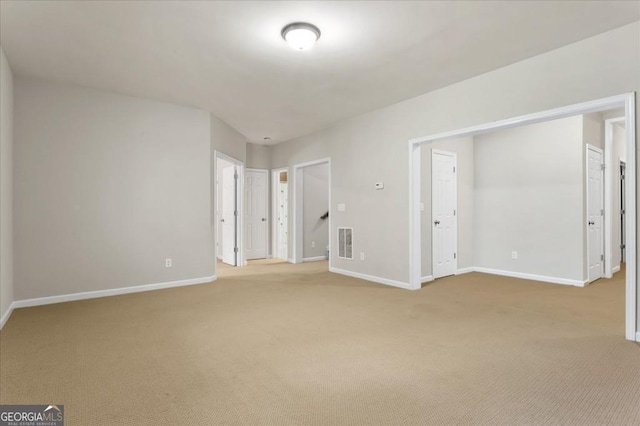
x=379, y=185
x=342, y=207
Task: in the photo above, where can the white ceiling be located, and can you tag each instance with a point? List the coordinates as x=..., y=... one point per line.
x=229, y=58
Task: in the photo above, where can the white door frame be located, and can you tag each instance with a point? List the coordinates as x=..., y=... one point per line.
x=605, y=215
x=625, y=100
x=275, y=241
x=297, y=253
x=455, y=200
x=240, y=259
x=266, y=209
x=609, y=215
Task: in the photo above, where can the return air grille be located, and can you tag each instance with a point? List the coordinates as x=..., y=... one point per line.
x=345, y=243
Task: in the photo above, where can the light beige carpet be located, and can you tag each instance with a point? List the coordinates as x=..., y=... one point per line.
x=280, y=344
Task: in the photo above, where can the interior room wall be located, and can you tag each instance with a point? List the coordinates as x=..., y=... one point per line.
x=106, y=187
x=373, y=147
x=258, y=156
x=529, y=199
x=315, y=203
x=463, y=147
x=6, y=187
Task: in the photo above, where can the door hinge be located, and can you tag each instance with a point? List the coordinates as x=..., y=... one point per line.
x=622, y=246
x=455, y=255
x=235, y=176
x=602, y=257
x=601, y=212
x=622, y=212
x=602, y=166
x=454, y=169
x=454, y=212
x=235, y=213
x=235, y=249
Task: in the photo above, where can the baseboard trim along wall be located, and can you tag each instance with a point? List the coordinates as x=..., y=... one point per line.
x=638, y=336
x=615, y=269
x=465, y=270
x=101, y=293
x=426, y=279
x=371, y=278
x=314, y=259
x=6, y=315
x=532, y=277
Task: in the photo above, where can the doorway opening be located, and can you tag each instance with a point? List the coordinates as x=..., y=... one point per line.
x=311, y=218
x=579, y=224
x=229, y=174
x=280, y=202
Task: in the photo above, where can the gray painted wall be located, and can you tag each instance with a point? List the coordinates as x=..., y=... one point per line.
x=464, y=149
x=529, y=198
x=6, y=185
x=373, y=147
x=315, y=203
x=258, y=156
x=106, y=187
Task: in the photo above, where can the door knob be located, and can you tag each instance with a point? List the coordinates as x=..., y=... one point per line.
x=437, y=222
x=591, y=223
x=264, y=220
x=222, y=220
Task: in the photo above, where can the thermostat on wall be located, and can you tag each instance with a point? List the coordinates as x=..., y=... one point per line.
x=379, y=185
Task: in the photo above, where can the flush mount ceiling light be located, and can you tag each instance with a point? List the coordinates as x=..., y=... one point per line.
x=301, y=35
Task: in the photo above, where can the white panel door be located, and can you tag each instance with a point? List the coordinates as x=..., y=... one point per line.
x=256, y=213
x=444, y=205
x=283, y=220
x=595, y=213
x=228, y=216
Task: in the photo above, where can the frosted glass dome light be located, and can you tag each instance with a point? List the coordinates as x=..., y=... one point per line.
x=301, y=35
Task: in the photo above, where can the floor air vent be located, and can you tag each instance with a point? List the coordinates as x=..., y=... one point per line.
x=345, y=243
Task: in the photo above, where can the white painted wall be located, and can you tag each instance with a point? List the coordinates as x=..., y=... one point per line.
x=464, y=149
x=529, y=199
x=373, y=147
x=315, y=203
x=106, y=187
x=6, y=187
x=258, y=156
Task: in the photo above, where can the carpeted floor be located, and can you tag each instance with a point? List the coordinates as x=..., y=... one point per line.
x=280, y=344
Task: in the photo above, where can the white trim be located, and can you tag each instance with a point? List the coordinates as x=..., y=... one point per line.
x=532, y=277
x=455, y=201
x=240, y=258
x=627, y=100
x=314, y=259
x=267, y=255
x=605, y=254
x=7, y=314
x=297, y=195
x=275, y=182
x=465, y=270
x=609, y=214
x=631, y=326
x=426, y=279
x=290, y=260
x=110, y=292
x=638, y=336
x=615, y=269
x=371, y=278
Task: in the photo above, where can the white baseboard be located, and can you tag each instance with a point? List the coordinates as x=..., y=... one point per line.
x=370, y=278
x=106, y=293
x=314, y=259
x=290, y=261
x=615, y=269
x=6, y=315
x=465, y=270
x=532, y=277
x=426, y=279
x=638, y=336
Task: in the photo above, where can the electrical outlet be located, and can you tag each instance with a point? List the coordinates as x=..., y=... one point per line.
x=342, y=207
x=514, y=255
x=313, y=244
x=361, y=255
x=168, y=263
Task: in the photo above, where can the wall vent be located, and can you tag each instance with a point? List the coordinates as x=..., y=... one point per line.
x=345, y=243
